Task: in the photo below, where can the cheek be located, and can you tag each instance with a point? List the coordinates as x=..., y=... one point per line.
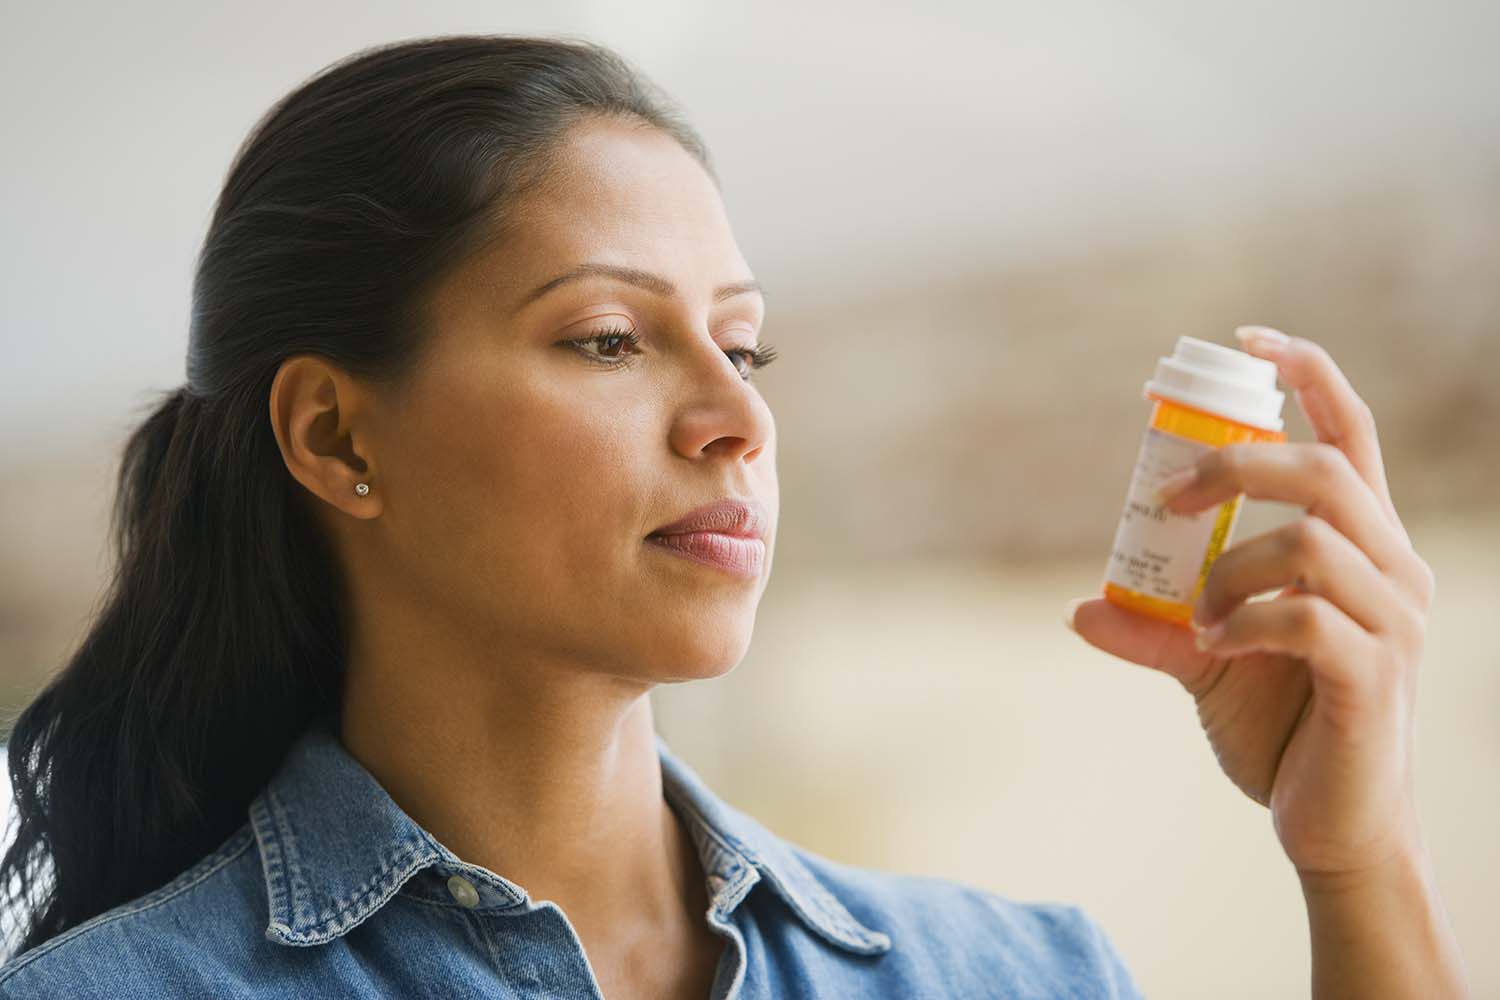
x=533, y=497
x=572, y=478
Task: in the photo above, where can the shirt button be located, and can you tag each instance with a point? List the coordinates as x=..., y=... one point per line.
x=463, y=891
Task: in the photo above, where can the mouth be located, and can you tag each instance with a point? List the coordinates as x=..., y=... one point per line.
x=728, y=534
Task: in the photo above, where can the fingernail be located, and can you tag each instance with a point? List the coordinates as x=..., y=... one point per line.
x=1207, y=637
x=1071, y=610
x=1261, y=339
x=1174, y=483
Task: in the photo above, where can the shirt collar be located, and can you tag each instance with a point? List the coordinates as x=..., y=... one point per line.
x=335, y=847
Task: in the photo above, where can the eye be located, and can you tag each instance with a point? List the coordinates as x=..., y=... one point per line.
x=609, y=342
x=759, y=356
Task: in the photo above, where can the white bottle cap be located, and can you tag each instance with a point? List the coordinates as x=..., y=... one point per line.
x=1221, y=380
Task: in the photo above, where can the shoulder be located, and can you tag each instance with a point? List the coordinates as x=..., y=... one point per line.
x=948, y=928
x=135, y=948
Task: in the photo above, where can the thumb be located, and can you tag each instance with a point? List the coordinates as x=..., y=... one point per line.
x=1140, y=639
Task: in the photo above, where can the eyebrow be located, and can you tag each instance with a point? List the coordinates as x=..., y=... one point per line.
x=634, y=276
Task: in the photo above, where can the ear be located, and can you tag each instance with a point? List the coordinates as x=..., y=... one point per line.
x=316, y=413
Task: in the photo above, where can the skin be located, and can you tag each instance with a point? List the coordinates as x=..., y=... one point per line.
x=507, y=618
x=1308, y=698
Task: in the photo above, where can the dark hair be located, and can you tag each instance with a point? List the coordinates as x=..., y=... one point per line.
x=219, y=638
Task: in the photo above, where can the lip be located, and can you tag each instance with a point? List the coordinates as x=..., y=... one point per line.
x=728, y=534
x=727, y=516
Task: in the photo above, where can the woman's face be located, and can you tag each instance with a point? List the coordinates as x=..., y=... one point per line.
x=522, y=475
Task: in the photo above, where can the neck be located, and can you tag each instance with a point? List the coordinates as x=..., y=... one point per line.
x=554, y=785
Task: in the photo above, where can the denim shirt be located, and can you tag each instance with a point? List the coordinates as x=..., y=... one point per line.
x=331, y=890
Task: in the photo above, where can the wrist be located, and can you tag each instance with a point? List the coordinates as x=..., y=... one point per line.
x=1381, y=931
x=1403, y=870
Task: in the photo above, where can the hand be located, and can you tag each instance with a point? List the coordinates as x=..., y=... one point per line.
x=1308, y=698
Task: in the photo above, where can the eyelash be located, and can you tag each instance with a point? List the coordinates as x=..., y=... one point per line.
x=760, y=355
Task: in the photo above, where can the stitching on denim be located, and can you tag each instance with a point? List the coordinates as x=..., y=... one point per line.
x=740, y=884
x=302, y=913
x=718, y=862
x=816, y=896
x=344, y=921
x=297, y=885
x=742, y=961
x=842, y=917
x=838, y=920
x=709, y=839
x=822, y=909
x=388, y=873
x=287, y=886
x=826, y=922
x=204, y=869
x=732, y=845
x=347, y=914
x=270, y=857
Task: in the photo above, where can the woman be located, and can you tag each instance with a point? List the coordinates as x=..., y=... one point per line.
x=468, y=459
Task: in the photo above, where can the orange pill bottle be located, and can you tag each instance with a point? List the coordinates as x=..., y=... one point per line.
x=1204, y=396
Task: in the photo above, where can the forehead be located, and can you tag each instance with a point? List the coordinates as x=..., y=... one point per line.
x=630, y=194
x=615, y=192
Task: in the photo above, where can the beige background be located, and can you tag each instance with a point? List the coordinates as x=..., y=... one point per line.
x=979, y=227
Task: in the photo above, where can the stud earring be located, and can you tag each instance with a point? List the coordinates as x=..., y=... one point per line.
x=362, y=488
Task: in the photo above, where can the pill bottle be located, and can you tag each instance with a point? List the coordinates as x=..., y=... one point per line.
x=1203, y=397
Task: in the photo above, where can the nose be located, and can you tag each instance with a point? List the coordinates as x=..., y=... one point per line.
x=721, y=415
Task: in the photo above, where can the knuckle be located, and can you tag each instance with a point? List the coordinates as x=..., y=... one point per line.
x=1306, y=539
x=1307, y=616
x=1426, y=580
x=1302, y=538
x=1328, y=460
x=1319, y=353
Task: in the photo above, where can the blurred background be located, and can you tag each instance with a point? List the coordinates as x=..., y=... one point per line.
x=979, y=225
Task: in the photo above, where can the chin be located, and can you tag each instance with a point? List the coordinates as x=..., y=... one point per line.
x=704, y=654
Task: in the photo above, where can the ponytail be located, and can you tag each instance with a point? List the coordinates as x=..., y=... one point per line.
x=212, y=650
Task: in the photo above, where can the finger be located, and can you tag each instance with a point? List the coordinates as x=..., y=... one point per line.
x=1336, y=412
x=1317, y=476
x=1342, y=656
x=1312, y=556
x=1150, y=642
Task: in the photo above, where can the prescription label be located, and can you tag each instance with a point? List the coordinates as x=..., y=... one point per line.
x=1158, y=552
